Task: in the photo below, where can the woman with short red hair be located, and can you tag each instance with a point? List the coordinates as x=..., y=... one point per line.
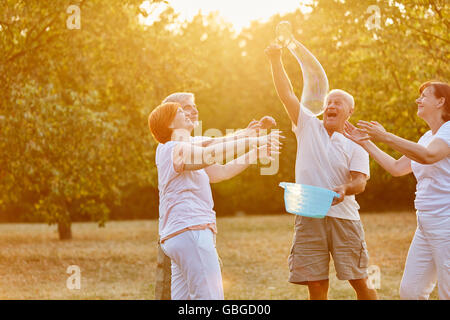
x=428, y=258
x=187, y=221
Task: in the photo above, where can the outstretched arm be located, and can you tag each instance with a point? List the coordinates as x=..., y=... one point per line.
x=395, y=167
x=219, y=172
x=282, y=84
x=437, y=150
x=355, y=186
x=188, y=156
x=252, y=130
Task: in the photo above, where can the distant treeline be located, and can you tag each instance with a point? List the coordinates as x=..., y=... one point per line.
x=74, y=142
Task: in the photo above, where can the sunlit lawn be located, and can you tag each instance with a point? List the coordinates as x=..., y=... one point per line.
x=118, y=262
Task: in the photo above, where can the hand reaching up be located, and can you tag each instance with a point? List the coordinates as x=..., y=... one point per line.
x=273, y=51
x=355, y=134
x=267, y=122
x=374, y=130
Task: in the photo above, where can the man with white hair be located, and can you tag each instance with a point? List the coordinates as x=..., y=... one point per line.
x=187, y=102
x=327, y=159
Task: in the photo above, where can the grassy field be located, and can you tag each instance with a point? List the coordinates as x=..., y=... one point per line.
x=118, y=262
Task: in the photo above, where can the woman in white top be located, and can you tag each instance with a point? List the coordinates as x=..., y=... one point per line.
x=187, y=221
x=428, y=258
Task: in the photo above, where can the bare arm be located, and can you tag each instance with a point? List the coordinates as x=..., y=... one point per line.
x=395, y=167
x=282, y=84
x=252, y=130
x=355, y=186
x=231, y=137
x=434, y=152
x=218, y=172
x=189, y=156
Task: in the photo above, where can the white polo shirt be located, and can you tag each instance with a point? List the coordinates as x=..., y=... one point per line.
x=326, y=162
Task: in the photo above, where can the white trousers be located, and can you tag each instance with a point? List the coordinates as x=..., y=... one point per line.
x=196, y=271
x=428, y=259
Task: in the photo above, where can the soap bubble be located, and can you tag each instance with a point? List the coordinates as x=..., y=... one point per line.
x=315, y=81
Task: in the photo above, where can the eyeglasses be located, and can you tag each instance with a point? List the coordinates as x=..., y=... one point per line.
x=192, y=106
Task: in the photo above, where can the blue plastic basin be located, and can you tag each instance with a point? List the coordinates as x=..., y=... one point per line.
x=308, y=201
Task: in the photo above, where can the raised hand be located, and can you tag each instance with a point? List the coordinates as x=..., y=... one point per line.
x=267, y=122
x=268, y=151
x=254, y=124
x=375, y=130
x=273, y=51
x=273, y=137
x=252, y=129
x=358, y=136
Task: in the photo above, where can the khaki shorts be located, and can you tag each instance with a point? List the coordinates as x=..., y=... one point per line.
x=315, y=239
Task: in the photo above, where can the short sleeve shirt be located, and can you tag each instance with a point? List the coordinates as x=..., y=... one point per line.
x=185, y=198
x=326, y=162
x=433, y=180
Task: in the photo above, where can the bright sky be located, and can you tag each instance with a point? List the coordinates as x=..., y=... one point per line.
x=238, y=12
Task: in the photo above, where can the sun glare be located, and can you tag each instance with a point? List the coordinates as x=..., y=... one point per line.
x=239, y=13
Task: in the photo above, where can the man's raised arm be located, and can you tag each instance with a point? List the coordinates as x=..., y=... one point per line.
x=282, y=84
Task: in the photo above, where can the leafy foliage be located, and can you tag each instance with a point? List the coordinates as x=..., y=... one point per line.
x=74, y=139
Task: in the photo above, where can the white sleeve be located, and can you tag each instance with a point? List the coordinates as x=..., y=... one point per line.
x=200, y=139
x=360, y=161
x=164, y=161
x=304, y=117
x=444, y=133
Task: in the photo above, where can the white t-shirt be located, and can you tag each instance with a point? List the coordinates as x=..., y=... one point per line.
x=185, y=198
x=326, y=162
x=433, y=180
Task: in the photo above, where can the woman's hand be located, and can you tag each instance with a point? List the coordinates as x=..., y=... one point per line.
x=273, y=137
x=253, y=125
x=375, y=130
x=356, y=135
x=269, y=146
x=267, y=152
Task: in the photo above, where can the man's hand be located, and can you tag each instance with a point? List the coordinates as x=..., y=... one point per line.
x=355, y=186
x=341, y=190
x=273, y=52
x=267, y=122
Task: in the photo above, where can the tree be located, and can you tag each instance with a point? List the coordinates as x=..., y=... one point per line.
x=73, y=115
x=74, y=108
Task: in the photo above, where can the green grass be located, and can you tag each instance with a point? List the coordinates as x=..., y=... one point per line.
x=119, y=261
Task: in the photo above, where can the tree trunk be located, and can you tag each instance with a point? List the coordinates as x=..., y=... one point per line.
x=64, y=230
x=64, y=221
x=65, y=224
